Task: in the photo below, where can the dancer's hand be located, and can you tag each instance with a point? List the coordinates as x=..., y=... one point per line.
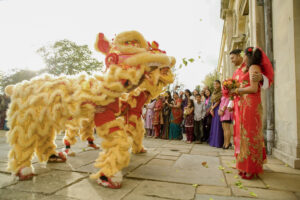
x=256, y=77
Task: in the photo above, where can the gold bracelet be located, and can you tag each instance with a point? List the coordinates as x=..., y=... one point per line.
x=237, y=90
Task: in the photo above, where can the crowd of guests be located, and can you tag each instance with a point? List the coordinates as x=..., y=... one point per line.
x=207, y=116
x=4, y=101
x=193, y=117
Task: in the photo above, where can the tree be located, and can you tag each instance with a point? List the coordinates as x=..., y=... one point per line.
x=66, y=57
x=198, y=88
x=16, y=76
x=210, y=78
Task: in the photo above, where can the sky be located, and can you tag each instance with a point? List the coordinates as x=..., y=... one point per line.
x=184, y=28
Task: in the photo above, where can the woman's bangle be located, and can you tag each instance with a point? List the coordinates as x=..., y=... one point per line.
x=237, y=90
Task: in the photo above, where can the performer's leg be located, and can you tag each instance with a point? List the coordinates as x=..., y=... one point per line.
x=87, y=134
x=21, y=154
x=70, y=139
x=46, y=148
x=115, y=155
x=135, y=128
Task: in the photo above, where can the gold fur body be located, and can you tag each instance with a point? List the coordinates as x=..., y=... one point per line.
x=46, y=105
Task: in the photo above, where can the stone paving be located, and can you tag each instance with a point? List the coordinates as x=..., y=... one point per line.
x=170, y=170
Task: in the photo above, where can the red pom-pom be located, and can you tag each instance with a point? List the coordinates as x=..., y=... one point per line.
x=249, y=49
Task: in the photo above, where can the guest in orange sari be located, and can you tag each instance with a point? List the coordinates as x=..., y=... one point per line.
x=252, y=152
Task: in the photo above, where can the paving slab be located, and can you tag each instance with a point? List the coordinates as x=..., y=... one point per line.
x=59, y=197
x=75, y=162
x=160, y=162
x=282, y=169
x=214, y=190
x=280, y=181
x=3, y=166
x=142, y=197
x=48, y=183
x=6, y=194
x=136, y=161
x=215, y=197
x=170, y=153
x=232, y=178
x=89, y=189
x=4, y=155
x=187, y=169
x=264, y=193
x=6, y=180
x=164, y=157
x=177, y=150
x=272, y=160
x=163, y=190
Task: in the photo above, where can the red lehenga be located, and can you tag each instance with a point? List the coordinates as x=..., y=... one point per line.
x=252, y=152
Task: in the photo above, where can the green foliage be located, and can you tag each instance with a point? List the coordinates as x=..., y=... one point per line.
x=210, y=78
x=198, y=88
x=16, y=76
x=69, y=58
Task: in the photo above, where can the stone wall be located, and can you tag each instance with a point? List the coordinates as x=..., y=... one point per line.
x=286, y=46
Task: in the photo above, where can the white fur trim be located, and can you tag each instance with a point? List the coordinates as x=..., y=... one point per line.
x=26, y=171
x=117, y=178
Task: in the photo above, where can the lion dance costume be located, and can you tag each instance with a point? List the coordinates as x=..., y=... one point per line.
x=46, y=105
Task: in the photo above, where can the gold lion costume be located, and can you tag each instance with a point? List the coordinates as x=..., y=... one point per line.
x=46, y=105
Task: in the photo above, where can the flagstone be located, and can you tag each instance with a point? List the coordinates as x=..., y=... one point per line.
x=49, y=182
x=3, y=166
x=170, y=153
x=282, y=169
x=7, y=194
x=89, y=189
x=164, y=190
x=187, y=169
x=232, y=178
x=281, y=181
x=136, y=161
x=75, y=162
x=214, y=190
x=59, y=197
x=6, y=180
x=160, y=162
x=163, y=157
x=264, y=193
x=215, y=197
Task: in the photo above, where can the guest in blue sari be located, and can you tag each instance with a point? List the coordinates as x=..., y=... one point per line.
x=216, y=138
x=176, y=117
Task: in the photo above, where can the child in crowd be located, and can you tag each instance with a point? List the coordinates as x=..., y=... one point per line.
x=199, y=114
x=189, y=121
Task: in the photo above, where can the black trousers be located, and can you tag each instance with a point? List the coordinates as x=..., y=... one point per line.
x=198, y=130
x=206, y=127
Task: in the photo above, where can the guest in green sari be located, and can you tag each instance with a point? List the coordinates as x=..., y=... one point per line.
x=176, y=117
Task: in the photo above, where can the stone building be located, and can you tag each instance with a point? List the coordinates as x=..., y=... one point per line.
x=246, y=24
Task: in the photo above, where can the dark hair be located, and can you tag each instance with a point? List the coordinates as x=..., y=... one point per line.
x=169, y=97
x=188, y=91
x=254, y=56
x=175, y=93
x=209, y=93
x=235, y=51
x=198, y=95
x=217, y=81
x=192, y=103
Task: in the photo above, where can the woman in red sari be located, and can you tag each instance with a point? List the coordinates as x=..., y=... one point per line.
x=157, y=118
x=252, y=152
